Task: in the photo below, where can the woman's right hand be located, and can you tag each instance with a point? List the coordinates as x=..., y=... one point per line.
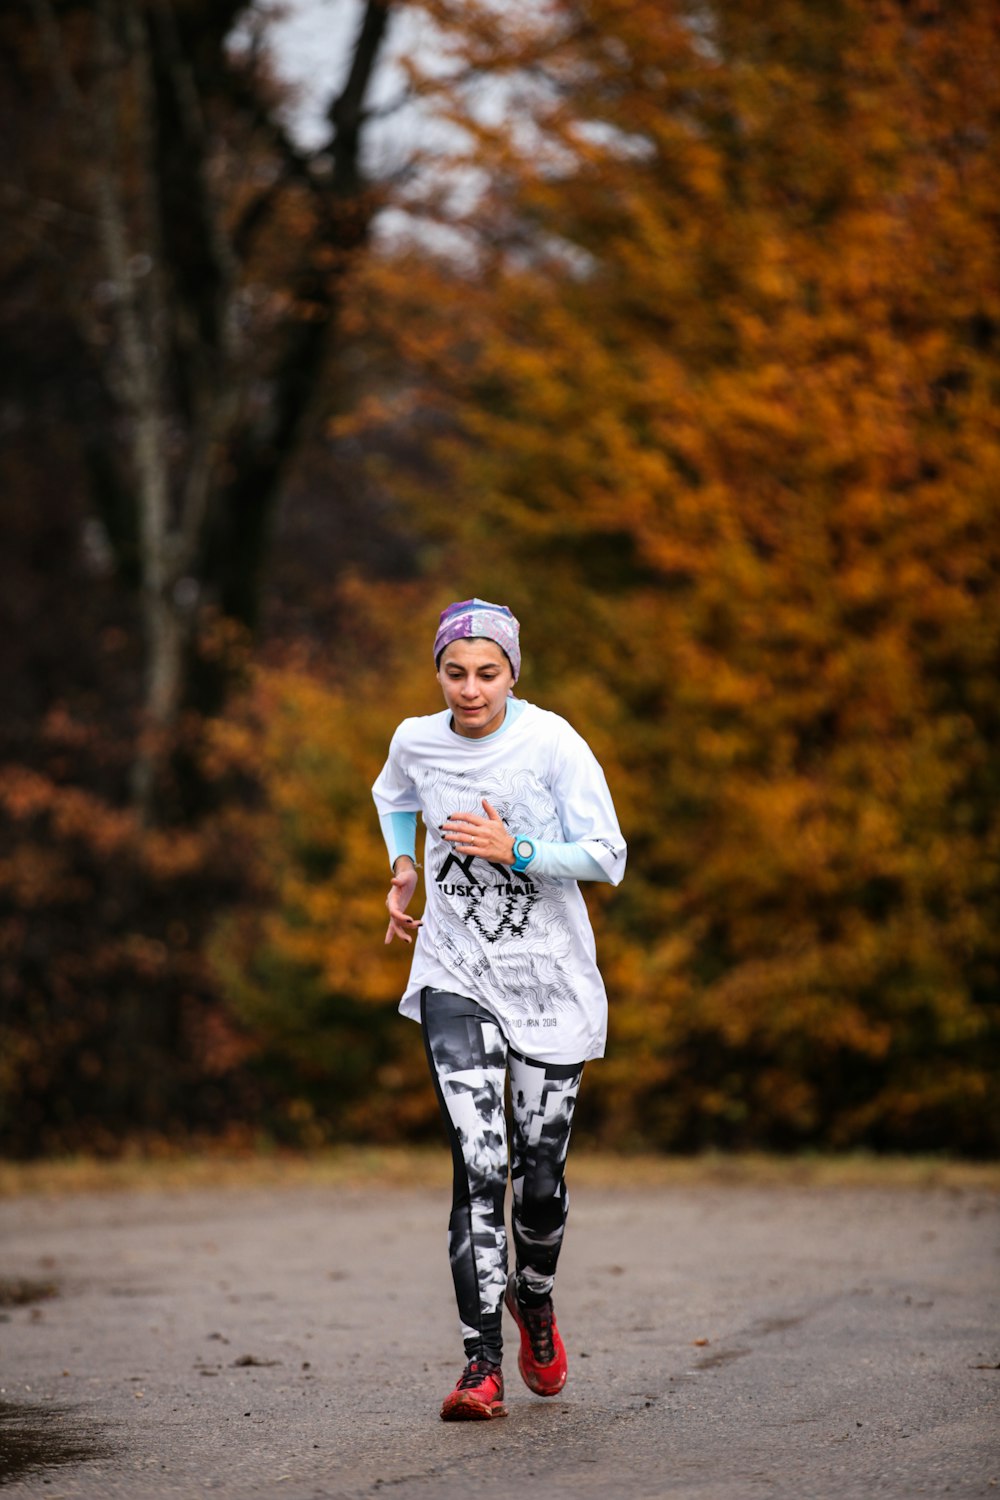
x=404, y=883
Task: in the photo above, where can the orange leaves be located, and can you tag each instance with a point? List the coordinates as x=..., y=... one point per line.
x=302, y=966
x=317, y=750
x=736, y=456
x=32, y=877
x=708, y=395
x=75, y=813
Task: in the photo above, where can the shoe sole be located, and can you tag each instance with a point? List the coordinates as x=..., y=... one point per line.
x=467, y=1409
x=510, y=1301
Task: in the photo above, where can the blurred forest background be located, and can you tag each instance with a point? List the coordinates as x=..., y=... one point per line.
x=683, y=340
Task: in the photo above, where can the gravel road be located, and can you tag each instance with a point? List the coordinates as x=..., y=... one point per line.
x=725, y=1343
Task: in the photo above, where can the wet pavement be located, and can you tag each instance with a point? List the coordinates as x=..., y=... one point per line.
x=725, y=1341
x=37, y=1439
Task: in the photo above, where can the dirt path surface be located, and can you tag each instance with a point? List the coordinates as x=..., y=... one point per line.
x=724, y=1341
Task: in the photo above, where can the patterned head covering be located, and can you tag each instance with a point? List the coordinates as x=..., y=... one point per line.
x=479, y=617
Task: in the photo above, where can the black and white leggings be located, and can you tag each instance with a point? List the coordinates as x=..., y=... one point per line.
x=468, y=1056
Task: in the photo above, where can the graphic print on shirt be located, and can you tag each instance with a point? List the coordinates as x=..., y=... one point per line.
x=505, y=929
x=517, y=889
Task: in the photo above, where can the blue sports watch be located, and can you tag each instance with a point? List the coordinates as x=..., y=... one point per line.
x=524, y=853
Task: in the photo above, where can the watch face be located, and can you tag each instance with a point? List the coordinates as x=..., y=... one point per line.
x=524, y=850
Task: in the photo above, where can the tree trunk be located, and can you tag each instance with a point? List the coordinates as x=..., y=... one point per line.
x=211, y=419
x=165, y=637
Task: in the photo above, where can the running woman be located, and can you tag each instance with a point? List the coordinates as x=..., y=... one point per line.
x=504, y=978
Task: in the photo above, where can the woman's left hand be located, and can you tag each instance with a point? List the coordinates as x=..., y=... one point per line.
x=488, y=838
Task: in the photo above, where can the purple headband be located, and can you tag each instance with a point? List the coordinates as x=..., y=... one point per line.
x=478, y=617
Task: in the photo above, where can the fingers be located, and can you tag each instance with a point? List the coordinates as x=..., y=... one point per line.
x=398, y=927
x=464, y=821
x=471, y=843
x=475, y=820
x=401, y=889
x=462, y=830
x=469, y=833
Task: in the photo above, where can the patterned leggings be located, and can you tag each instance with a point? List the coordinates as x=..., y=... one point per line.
x=468, y=1057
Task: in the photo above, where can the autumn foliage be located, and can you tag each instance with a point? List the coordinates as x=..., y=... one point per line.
x=703, y=381
x=725, y=428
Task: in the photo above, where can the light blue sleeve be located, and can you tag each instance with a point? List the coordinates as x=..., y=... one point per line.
x=566, y=862
x=399, y=829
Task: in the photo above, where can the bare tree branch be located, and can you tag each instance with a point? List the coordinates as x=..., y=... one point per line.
x=347, y=110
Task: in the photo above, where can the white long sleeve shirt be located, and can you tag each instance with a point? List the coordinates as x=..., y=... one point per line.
x=519, y=944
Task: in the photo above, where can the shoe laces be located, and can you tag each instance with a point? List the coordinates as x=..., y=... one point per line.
x=538, y=1321
x=476, y=1371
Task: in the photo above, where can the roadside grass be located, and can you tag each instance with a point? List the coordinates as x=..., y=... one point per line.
x=386, y=1167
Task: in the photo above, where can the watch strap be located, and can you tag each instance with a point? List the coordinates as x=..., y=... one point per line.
x=524, y=853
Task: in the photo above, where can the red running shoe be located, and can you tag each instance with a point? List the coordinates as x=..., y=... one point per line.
x=478, y=1396
x=542, y=1357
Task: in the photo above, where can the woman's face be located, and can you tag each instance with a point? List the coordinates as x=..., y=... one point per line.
x=475, y=677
